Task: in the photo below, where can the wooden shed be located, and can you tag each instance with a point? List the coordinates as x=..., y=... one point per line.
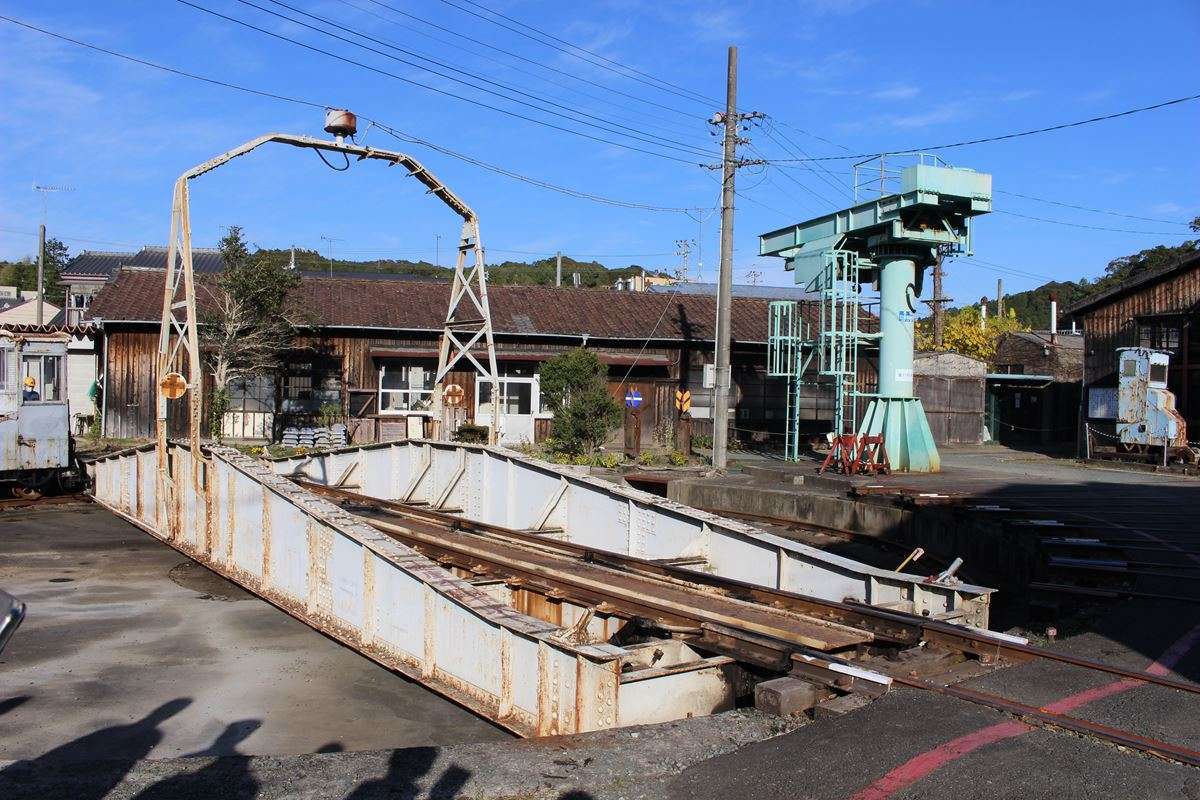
x=371, y=355
x=1158, y=309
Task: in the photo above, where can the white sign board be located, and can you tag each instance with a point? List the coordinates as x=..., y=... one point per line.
x=903, y=376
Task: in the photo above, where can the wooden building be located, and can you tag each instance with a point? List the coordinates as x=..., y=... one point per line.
x=1158, y=309
x=372, y=354
x=950, y=386
x=1033, y=388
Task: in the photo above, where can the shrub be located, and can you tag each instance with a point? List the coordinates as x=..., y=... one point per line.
x=677, y=459
x=471, y=434
x=574, y=385
x=607, y=460
x=647, y=458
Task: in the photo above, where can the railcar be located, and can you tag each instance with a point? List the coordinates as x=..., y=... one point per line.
x=36, y=450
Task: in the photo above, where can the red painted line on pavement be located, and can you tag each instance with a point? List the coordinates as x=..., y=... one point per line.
x=922, y=765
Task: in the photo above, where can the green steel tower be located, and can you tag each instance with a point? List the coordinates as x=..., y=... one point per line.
x=885, y=242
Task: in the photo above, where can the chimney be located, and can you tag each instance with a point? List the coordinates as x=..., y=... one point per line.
x=983, y=301
x=1053, y=319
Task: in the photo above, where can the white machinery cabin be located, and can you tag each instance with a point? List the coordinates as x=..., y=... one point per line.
x=35, y=430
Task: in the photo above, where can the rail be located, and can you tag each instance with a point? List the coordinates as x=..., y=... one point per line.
x=497, y=486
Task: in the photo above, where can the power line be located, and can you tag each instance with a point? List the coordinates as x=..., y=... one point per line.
x=595, y=198
x=580, y=255
x=581, y=53
x=511, y=54
x=308, y=103
x=452, y=68
x=570, y=115
x=401, y=78
x=1090, y=227
x=1075, y=206
x=1092, y=210
x=994, y=267
x=34, y=234
x=838, y=187
x=1002, y=137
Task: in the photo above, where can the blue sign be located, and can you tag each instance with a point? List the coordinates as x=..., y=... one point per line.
x=633, y=398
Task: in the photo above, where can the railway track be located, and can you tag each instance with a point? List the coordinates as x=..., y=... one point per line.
x=13, y=503
x=846, y=647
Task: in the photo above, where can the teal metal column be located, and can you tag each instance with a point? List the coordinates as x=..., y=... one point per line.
x=896, y=413
x=897, y=281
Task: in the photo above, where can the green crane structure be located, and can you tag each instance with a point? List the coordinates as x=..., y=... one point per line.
x=885, y=242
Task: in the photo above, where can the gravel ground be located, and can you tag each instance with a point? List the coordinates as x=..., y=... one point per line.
x=624, y=763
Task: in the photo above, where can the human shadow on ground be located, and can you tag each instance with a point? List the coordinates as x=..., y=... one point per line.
x=13, y=703
x=74, y=770
x=228, y=776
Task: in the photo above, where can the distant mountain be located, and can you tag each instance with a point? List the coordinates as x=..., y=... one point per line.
x=1033, y=307
x=536, y=273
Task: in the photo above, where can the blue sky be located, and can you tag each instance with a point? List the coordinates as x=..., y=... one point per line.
x=862, y=76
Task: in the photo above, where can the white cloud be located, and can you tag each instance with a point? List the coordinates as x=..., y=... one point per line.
x=718, y=24
x=924, y=119
x=1017, y=95
x=896, y=92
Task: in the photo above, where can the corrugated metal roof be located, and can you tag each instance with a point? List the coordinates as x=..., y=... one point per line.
x=94, y=263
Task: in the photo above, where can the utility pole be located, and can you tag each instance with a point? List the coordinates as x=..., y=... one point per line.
x=731, y=121
x=44, y=191
x=41, y=269
x=939, y=309
x=331, y=240
x=437, y=258
x=999, y=298
x=558, y=268
x=683, y=249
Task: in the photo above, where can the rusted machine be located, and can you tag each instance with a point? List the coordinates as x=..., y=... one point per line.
x=36, y=452
x=1146, y=415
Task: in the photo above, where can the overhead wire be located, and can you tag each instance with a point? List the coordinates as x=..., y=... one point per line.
x=474, y=102
x=533, y=101
x=1086, y=208
x=312, y=104
x=784, y=142
x=581, y=53
x=519, y=57
x=1001, y=137
x=1090, y=227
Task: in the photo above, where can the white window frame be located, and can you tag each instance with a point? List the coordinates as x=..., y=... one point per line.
x=60, y=378
x=410, y=392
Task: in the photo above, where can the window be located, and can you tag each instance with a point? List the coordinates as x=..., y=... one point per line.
x=405, y=386
x=77, y=303
x=516, y=397
x=1159, y=334
x=311, y=381
x=255, y=394
x=1010, y=369
x=1158, y=373
x=3, y=370
x=46, y=374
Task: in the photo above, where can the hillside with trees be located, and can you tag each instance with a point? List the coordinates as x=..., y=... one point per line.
x=1032, y=308
x=536, y=273
x=23, y=274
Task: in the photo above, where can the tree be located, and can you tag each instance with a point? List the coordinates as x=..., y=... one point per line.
x=964, y=334
x=252, y=321
x=57, y=256
x=574, y=385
